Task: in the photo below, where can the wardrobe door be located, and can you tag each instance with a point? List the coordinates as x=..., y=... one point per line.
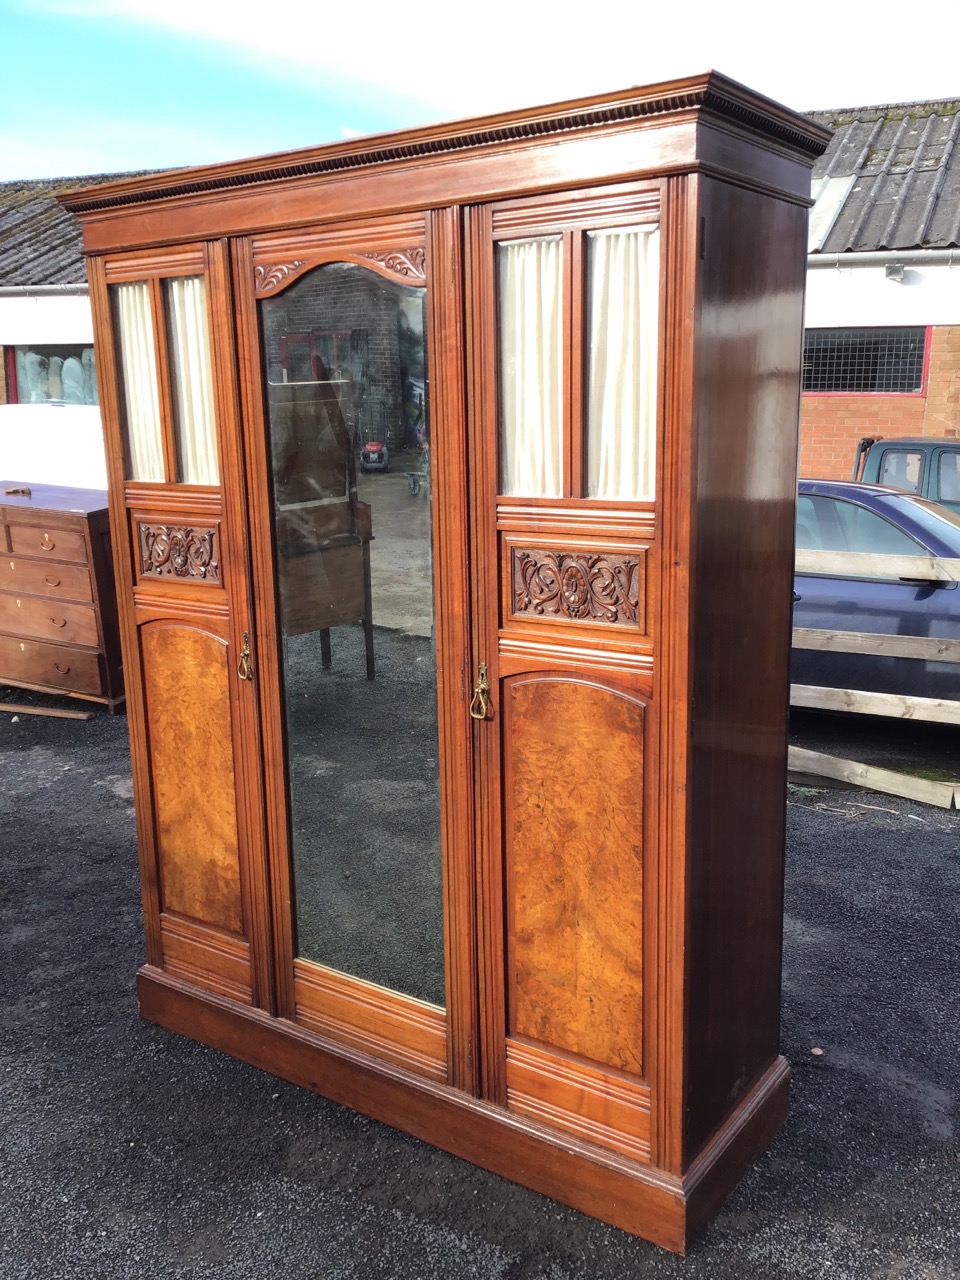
x=346, y=494
x=566, y=529
x=181, y=556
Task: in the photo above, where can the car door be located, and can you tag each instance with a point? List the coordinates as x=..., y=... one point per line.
x=872, y=605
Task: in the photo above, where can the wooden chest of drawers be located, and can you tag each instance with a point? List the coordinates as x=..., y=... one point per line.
x=58, y=605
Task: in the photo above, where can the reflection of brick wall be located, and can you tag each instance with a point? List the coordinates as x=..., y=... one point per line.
x=4, y=398
x=346, y=298
x=831, y=426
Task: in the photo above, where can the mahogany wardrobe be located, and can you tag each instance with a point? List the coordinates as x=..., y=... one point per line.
x=459, y=761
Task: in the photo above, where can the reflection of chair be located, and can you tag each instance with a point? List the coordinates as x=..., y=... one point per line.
x=323, y=530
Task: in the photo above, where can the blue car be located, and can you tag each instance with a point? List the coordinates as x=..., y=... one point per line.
x=878, y=598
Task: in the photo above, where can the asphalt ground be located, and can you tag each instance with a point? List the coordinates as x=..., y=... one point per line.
x=127, y=1151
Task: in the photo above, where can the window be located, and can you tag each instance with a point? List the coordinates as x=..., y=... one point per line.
x=901, y=469
x=65, y=373
x=186, y=453
x=949, y=477
x=531, y=367
x=623, y=300
x=864, y=360
x=831, y=524
x=578, y=317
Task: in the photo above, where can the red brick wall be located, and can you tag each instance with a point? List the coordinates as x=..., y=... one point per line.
x=942, y=414
x=3, y=376
x=831, y=426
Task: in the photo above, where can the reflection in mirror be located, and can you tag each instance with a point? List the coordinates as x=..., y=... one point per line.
x=346, y=392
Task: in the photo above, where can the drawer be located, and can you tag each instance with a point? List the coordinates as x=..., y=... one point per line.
x=61, y=621
x=51, y=665
x=55, y=581
x=42, y=540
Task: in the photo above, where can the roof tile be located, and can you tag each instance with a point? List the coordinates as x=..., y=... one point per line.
x=905, y=159
x=40, y=242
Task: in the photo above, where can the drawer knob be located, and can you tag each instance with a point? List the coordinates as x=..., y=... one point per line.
x=62, y=667
x=47, y=543
x=59, y=622
x=52, y=582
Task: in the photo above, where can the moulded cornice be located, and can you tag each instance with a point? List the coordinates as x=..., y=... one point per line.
x=712, y=94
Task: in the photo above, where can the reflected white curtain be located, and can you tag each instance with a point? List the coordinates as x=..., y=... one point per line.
x=624, y=293
x=139, y=364
x=531, y=367
x=189, y=338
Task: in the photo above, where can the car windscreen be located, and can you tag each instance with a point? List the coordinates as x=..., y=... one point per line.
x=941, y=522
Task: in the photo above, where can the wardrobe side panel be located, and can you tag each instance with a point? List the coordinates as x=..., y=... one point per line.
x=748, y=345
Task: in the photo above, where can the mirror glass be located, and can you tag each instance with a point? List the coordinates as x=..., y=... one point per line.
x=347, y=404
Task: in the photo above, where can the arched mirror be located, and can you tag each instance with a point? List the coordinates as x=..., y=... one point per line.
x=346, y=390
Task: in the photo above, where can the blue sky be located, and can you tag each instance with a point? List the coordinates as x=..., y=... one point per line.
x=108, y=86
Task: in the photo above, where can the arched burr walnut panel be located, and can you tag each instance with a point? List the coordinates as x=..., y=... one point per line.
x=186, y=686
x=573, y=799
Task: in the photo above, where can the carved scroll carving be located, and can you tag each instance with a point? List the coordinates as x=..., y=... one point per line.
x=268, y=279
x=580, y=586
x=405, y=264
x=172, y=551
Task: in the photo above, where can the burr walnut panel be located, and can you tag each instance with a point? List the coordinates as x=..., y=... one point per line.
x=188, y=715
x=574, y=760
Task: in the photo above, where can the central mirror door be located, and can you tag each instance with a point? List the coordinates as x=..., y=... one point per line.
x=347, y=407
x=458, y=844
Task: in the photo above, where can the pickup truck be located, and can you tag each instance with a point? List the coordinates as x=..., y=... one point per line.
x=924, y=465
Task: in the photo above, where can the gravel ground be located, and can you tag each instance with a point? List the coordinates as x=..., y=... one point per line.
x=126, y=1151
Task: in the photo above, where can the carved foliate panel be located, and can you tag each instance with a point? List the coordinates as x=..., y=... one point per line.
x=577, y=586
x=268, y=279
x=179, y=551
x=408, y=266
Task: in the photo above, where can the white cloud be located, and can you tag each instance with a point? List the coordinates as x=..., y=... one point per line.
x=460, y=60
x=465, y=59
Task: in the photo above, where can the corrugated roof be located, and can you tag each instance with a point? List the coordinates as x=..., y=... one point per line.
x=40, y=241
x=904, y=160
x=890, y=179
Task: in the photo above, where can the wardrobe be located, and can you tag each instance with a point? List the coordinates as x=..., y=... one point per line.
x=460, y=786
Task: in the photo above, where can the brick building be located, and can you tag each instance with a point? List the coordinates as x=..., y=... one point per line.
x=882, y=343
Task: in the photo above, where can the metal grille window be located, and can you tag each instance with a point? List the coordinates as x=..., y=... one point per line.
x=889, y=360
